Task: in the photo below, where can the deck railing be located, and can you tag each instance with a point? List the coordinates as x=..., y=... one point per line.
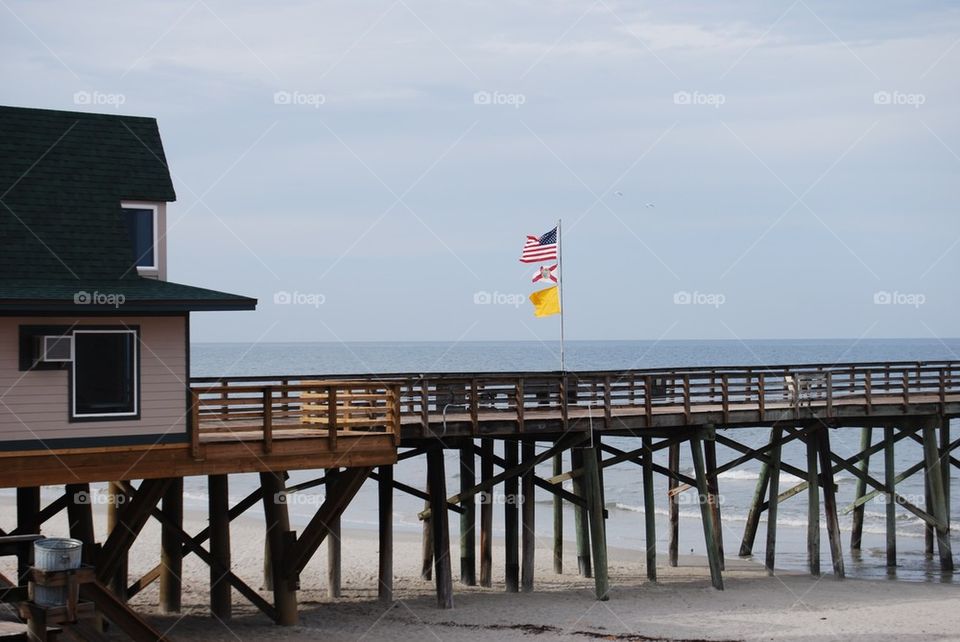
x=523, y=396
x=257, y=411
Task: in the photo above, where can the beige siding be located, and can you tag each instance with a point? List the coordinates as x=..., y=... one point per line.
x=35, y=405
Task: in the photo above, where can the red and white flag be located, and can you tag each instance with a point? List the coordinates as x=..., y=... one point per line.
x=545, y=273
x=540, y=249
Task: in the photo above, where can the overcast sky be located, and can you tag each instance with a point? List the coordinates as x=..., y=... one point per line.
x=723, y=170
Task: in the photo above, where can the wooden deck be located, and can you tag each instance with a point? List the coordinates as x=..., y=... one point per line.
x=504, y=404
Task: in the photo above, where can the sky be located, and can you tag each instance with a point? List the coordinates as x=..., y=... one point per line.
x=370, y=170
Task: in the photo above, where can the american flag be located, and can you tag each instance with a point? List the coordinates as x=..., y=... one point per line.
x=540, y=249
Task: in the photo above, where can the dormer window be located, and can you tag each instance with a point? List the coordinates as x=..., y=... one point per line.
x=141, y=222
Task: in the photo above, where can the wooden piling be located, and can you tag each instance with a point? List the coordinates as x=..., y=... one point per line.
x=598, y=537
x=511, y=521
x=890, y=480
x=28, y=523
x=528, y=515
x=116, y=498
x=773, y=501
x=673, y=504
x=706, y=516
x=171, y=550
x=334, y=545
x=385, y=506
x=221, y=600
x=426, y=566
x=581, y=522
x=713, y=484
x=813, y=509
x=945, y=462
x=938, y=496
x=441, y=535
x=486, y=514
x=557, y=519
x=468, y=518
x=649, y=510
x=830, y=501
x=856, y=531
x=278, y=527
x=756, y=508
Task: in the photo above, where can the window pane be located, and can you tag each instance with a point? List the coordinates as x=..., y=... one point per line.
x=140, y=228
x=104, y=364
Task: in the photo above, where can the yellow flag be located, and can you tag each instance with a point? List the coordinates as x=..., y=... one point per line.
x=546, y=302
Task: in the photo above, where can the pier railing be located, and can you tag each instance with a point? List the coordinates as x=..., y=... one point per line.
x=530, y=395
x=261, y=410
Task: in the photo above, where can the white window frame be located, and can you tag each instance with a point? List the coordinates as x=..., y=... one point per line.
x=135, y=205
x=136, y=378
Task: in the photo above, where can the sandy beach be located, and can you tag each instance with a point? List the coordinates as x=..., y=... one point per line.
x=680, y=606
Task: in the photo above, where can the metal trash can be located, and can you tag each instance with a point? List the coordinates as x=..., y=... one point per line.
x=55, y=554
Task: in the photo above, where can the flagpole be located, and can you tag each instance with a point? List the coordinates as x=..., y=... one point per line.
x=560, y=286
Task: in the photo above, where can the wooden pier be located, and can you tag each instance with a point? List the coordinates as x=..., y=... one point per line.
x=354, y=428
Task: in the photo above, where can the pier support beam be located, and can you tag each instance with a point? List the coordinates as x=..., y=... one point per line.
x=28, y=522
x=934, y=473
x=441, y=535
x=598, y=536
x=773, y=501
x=581, y=522
x=468, y=518
x=426, y=546
x=706, y=514
x=649, y=510
x=171, y=551
x=385, y=505
x=890, y=481
x=486, y=513
x=116, y=499
x=713, y=484
x=221, y=598
x=558, y=519
x=278, y=527
x=673, y=503
x=334, y=549
x=756, y=508
x=510, y=519
x=528, y=513
x=856, y=531
x=813, y=509
x=830, y=501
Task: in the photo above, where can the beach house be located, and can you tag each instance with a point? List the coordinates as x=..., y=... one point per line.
x=94, y=340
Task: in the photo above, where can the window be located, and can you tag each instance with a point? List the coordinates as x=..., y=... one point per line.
x=105, y=374
x=142, y=230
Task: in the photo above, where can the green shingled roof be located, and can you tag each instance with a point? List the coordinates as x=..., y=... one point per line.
x=63, y=176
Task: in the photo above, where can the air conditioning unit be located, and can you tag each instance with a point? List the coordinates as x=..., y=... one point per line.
x=56, y=349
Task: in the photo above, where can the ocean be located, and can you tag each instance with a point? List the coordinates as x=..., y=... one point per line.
x=623, y=490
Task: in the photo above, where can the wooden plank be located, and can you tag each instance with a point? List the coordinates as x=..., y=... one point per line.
x=510, y=516
x=649, y=511
x=126, y=619
x=773, y=502
x=528, y=518
x=171, y=551
x=486, y=513
x=468, y=518
x=856, y=530
x=830, y=501
x=673, y=504
x=130, y=521
x=598, y=537
x=813, y=509
x=716, y=576
x=441, y=534
x=558, y=520
x=277, y=521
x=889, y=463
x=218, y=494
x=385, y=553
